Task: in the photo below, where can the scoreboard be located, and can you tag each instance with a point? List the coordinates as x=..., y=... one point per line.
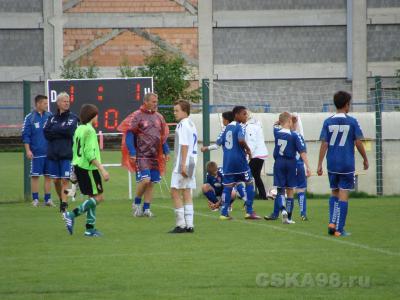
x=116, y=98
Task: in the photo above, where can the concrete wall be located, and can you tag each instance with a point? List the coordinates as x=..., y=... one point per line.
x=312, y=123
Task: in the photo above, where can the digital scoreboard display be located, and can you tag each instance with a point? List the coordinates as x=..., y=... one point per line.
x=116, y=98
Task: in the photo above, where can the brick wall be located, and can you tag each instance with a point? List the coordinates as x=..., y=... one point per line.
x=128, y=44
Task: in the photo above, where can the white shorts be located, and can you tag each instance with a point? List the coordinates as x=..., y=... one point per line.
x=180, y=182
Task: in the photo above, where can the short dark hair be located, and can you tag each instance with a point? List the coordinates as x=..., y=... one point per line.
x=238, y=109
x=185, y=105
x=341, y=98
x=228, y=115
x=211, y=165
x=39, y=98
x=88, y=112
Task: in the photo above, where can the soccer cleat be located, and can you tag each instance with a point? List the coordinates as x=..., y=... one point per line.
x=69, y=222
x=190, y=229
x=178, y=229
x=136, y=210
x=147, y=213
x=35, y=203
x=271, y=217
x=304, y=218
x=252, y=216
x=331, y=229
x=285, y=219
x=291, y=221
x=230, y=208
x=49, y=203
x=93, y=233
x=63, y=207
x=343, y=233
x=225, y=218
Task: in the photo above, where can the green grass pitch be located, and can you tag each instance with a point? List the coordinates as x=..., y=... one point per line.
x=137, y=259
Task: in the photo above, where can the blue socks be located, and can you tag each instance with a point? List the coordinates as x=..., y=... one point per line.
x=227, y=200
x=301, y=197
x=277, y=205
x=342, y=214
x=138, y=200
x=35, y=196
x=146, y=206
x=333, y=207
x=47, y=197
x=240, y=190
x=250, y=198
x=289, y=207
x=211, y=196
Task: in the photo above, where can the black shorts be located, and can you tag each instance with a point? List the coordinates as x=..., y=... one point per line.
x=89, y=181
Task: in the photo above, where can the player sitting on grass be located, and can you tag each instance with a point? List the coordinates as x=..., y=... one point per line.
x=87, y=166
x=301, y=177
x=235, y=166
x=339, y=134
x=213, y=188
x=287, y=143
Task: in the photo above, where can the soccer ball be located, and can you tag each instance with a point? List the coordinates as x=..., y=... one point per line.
x=272, y=192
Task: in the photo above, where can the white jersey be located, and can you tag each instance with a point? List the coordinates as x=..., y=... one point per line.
x=186, y=134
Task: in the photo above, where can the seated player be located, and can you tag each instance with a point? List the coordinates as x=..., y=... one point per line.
x=287, y=143
x=213, y=187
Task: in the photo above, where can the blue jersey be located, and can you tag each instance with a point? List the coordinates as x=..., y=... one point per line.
x=216, y=181
x=234, y=161
x=32, y=132
x=341, y=131
x=287, y=143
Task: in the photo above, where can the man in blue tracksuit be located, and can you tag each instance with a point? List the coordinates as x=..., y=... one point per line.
x=36, y=149
x=59, y=131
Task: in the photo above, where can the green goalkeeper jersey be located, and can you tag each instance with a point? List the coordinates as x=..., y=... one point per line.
x=86, y=147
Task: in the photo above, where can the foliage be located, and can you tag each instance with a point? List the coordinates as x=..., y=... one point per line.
x=72, y=70
x=170, y=74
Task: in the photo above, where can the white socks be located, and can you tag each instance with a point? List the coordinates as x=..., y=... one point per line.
x=189, y=215
x=180, y=217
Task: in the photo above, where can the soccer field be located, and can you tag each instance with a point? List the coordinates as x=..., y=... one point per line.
x=137, y=259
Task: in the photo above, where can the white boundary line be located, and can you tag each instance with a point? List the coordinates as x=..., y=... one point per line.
x=326, y=238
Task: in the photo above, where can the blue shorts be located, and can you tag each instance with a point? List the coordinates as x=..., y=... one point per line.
x=341, y=181
x=59, y=168
x=236, y=178
x=154, y=175
x=39, y=166
x=285, y=173
x=301, y=178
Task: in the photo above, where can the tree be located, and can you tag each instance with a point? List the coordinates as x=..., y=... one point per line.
x=170, y=74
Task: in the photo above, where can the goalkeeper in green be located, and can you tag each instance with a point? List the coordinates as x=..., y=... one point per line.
x=88, y=168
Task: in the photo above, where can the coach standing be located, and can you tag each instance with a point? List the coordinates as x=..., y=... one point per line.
x=255, y=140
x=145, y=150
x=59, y=131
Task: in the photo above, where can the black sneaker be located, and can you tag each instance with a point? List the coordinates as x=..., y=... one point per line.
x=190, y=229
x=177, y=229
x=63, y=207
x=271, y=218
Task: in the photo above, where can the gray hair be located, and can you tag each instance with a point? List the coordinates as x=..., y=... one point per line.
x=62, y=95
x=148, y=95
